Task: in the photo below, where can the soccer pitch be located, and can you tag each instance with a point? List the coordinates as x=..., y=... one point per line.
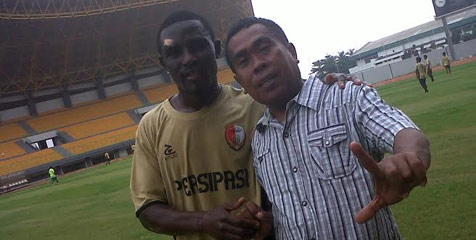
x=95, y=203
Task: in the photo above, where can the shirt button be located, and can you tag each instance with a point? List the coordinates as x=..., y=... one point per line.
x=327, y=142
x=286, y=135
x=295, y=169
x=304, y=203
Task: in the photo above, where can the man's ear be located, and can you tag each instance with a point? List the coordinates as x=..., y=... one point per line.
x=161, y=61
x=292, y=50
x=217, y=45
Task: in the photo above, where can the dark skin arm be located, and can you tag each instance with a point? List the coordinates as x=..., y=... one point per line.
x=395, y=176
x=218, y=222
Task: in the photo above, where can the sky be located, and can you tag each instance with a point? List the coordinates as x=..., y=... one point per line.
x=321, y=27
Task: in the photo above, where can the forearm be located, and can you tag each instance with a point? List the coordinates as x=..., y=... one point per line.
x=161, y=218
x=413, y=141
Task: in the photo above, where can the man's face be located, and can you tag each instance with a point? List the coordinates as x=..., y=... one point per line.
x=188, y=53
x=264, y=66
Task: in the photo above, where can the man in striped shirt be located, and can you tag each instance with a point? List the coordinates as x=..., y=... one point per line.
x=308, y=144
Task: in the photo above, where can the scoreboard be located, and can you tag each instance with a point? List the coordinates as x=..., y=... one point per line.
x=443, y=7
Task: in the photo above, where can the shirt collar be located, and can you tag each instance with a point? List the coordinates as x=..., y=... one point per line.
x=309, y=94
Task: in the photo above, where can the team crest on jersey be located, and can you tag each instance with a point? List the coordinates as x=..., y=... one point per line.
x=235, y=136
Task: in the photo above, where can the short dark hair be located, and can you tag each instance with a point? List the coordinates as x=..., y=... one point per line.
x=181, y=16
x=273, y=27
x=425, y=56
x=418, y=59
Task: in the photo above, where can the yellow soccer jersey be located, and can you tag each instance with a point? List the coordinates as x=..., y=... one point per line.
x=197, y=161
x=446, y=61
x=428, y=63
x=421, y=68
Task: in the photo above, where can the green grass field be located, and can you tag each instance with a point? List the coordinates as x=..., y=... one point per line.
x=95, y=203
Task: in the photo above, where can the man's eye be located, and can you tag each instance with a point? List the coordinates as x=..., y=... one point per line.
x=264, y=48
x=199, y=45
x=174, y=51
x=242, y=62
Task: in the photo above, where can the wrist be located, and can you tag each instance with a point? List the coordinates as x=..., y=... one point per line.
x=199, y=225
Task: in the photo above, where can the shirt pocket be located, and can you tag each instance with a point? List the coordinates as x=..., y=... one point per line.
x=330, y=153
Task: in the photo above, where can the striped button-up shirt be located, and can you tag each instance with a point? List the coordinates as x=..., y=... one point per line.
x=305, y=165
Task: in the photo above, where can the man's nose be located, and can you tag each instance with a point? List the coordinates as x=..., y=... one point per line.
x=188, y=58
x=260, y=64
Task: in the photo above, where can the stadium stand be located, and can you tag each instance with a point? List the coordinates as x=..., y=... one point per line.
x=156, y=95
x=225, y=76
x=102, y=140
x=84, y=113
x=10, y=149
x=11, y=131
x=97, y=126
x=28, y=161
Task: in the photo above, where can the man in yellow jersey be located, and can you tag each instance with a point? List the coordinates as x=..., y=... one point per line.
x=192, y=163
x=420, y=71
x=429, y=71
x=446, y=63
x=52, y=173
x=108, y=158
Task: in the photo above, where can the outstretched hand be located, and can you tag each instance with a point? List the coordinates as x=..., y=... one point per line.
x=394, y=178
x=221, y=224
x=341, y=79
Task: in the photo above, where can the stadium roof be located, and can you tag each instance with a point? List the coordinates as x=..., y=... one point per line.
x=420, y=31
x=56, y=43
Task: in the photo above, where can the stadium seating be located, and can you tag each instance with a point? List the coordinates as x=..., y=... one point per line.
x=93, y=126
x=102, y=140
x=84, y=113
x=10, y=149
x=98, y=126
x=28, y=161
x=157, y=95
x=11, y=131
x=225, y=76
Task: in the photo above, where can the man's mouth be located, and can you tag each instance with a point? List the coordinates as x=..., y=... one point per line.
x=267, y=81
x=192, y=75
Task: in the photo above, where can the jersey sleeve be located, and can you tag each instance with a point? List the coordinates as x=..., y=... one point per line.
x=147, y=186
x=379, y=121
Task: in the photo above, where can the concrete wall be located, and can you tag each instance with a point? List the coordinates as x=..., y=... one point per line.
x=466, y=49
x=119, y=88
x=14, y=113
x=49, y=105
x=150, y=81
x=389, y=71
x=84, y=97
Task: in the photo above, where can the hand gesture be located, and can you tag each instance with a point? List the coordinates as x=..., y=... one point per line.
x=254, y=212
x=341, y=79
x=221, y=224
x=394, y=178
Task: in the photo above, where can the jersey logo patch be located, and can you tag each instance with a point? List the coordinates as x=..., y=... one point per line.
x=235, y=136
x=169, y=152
